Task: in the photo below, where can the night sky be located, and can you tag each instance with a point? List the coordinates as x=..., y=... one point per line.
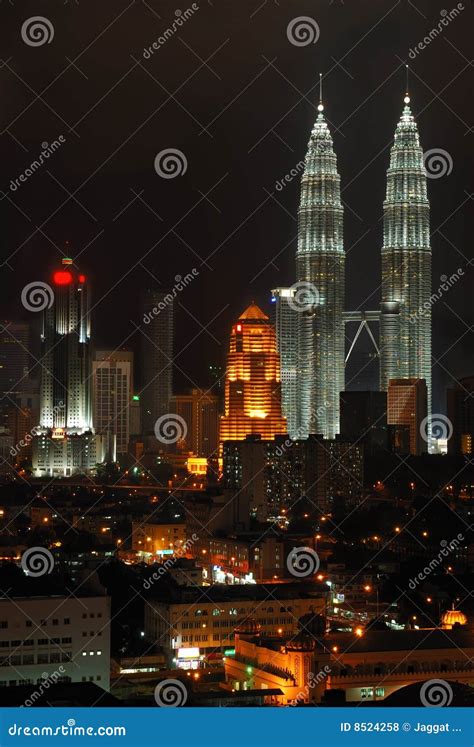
x=239, y=100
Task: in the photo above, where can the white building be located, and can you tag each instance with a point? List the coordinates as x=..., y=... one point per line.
x=58, y=638
x=112, y=396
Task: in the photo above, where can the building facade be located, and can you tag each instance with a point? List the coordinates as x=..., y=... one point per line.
x=69, y=635
x=405, y=335
x=252, y=382
x=112, y=395
x=268, y=477
x=66, y=443
x=200, y=411
x=407, y=405
x=156, y=356
x=320, y=267
x=285, y=318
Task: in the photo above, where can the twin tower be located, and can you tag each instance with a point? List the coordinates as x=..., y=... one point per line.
x=310, y=315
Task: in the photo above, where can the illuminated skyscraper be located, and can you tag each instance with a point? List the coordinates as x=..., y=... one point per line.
x=252, y=383
x=320, y=288
x=112, y=393
x=156, y=357
x=66, y=443
x=405, y=334
x=286, y=327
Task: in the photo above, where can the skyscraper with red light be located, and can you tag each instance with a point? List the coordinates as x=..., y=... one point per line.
x=66, y=443
x=252, y=383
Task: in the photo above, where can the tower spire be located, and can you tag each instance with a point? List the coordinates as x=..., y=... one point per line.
x=407, y=89
x=320, y=105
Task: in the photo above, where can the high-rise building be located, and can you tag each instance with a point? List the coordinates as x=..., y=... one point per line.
x=407, y=404
x=17, y=388
x=320, y=282
x=268, y=477
x=112, y=392
x=252, y=384
x=156, y=348
x=461, y=417
x=66, y=443
x=405, y=333
x=14, y=356
x=285, y=318
x=200, y=411
x=364, y=420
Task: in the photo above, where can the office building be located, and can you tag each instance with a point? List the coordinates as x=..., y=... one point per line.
x=112, y=396
x=407, y=406
x=252, y=383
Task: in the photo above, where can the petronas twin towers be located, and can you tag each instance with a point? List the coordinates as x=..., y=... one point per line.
x=318, y=294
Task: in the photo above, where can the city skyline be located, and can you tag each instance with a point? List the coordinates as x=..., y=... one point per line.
x=369, y=101
x=236, y=380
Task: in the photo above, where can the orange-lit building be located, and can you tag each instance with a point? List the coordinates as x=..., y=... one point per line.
x=407, y=404
x=252, y=384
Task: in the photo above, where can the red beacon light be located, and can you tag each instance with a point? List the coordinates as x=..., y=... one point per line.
x=62, y=277
x=82, y=278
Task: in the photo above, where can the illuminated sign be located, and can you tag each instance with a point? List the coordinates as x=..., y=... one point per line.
x=188, y=653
